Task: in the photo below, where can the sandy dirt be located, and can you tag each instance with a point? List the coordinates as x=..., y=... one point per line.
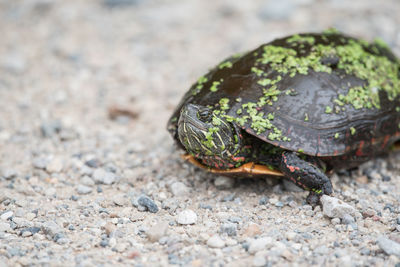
x=84, y=184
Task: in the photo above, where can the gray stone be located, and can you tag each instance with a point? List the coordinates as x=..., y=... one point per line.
x=83, y=189
x=147, y=203
x=390, y=247
x=178, y=189
x=29, y=231
x=187, y=217
x=229, y=228
x=51, y=128
x=215, y=242
x=336, y=208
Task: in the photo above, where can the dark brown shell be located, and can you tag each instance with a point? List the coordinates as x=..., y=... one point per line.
x=323, y=134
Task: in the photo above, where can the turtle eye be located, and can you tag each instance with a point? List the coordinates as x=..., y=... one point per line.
x=204, y=115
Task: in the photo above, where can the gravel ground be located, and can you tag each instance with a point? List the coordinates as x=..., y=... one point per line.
x=90, y=177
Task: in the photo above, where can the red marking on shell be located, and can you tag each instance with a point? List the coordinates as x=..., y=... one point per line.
x=359, y=151
x=387, y=137
x=237, y=158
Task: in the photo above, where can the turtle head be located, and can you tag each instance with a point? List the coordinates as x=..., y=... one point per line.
x=206, y=134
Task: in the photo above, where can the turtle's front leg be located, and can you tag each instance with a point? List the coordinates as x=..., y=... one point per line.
x=305, y=175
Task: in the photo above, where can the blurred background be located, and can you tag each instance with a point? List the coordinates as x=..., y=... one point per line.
x=72, y=57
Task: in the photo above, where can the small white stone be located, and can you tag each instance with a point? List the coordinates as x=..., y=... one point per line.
x=260, y=244
x=30, y=216
x=215, y=242
x=6, y=215
x=56, y=165
x=187, y=217
x=112, y=242
x=50, y=191
x=178, y=189
x=335, y=208
x=290, y=235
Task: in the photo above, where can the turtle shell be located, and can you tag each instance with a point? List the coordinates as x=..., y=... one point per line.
x=319, y=94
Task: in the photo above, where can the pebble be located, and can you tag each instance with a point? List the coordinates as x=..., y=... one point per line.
x=6, y=215
x=215, y=241
x=157, y=231
x=349, y=220
x=252, y=230
x=335, y=221
x=83, y=189
x=52, y=230
x=9, y=174
x=120, y=200
x=147, y=203
x=101, y=176
x=178, y=189
x=263, y=200
x=39, y=163
x=260, y=259
x=86, y=180
x=260, y=244
x=390, y=247
x=29, y=231
x=5, y=227
x=187, y=217
x=229, y=228
x=109, y=228
x=55, y=165
x=50, y=128
x=290, y=235
x=223, y=183
x=335, y=208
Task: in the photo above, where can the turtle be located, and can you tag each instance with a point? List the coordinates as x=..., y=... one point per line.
x=301, y=107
